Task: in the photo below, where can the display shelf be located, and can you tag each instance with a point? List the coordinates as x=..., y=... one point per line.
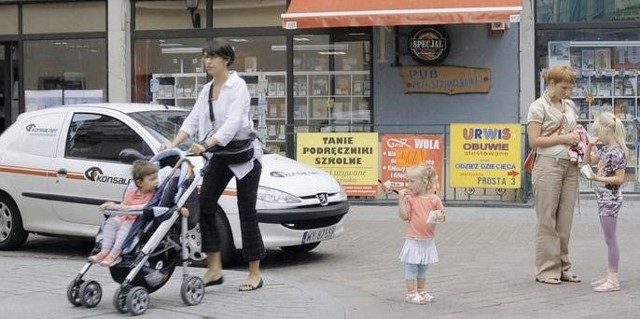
x=606, y=81
x=323, y=100
x=177, y=89
x=331, y=100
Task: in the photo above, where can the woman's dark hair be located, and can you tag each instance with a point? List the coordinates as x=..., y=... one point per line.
x=221, y=48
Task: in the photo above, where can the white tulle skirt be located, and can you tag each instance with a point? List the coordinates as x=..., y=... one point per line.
x=417, y=251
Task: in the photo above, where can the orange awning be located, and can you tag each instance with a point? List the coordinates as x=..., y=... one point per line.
x=303, y=14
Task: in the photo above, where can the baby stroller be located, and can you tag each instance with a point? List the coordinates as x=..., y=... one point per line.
x=155, y=245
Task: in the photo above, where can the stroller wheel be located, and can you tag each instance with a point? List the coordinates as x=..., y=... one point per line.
x=137, y=300
x=192, y=290
x=90, y=293
x=73, y=292
x=120, y=299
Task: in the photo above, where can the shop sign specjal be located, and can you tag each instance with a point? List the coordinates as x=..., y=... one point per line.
x=445, y=79
x=428, y=44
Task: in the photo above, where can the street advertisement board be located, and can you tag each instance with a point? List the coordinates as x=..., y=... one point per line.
x=400, y=151
x=485, y=155
x=351, y=158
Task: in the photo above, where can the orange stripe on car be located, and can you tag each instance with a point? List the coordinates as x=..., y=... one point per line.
x=37, y=172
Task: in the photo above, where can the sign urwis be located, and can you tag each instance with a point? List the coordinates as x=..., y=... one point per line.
x=445, y=79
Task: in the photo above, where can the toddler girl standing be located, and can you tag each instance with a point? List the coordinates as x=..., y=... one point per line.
x=414, y=206
x=612, y=160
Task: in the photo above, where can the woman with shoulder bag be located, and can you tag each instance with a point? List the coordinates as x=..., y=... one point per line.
x=220, y=118
x=554, y=176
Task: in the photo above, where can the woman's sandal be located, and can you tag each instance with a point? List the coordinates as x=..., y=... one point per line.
x=607, y=286
x=250, y=287
x=550, y=281
x=570, y=278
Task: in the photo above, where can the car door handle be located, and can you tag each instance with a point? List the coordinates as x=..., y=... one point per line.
x=62, y=172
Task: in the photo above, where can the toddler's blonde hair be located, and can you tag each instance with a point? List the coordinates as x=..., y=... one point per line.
x=424, y=172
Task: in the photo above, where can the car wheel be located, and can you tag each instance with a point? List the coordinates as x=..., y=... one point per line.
x=228, y=249
x=300, y=248
x=12, y=235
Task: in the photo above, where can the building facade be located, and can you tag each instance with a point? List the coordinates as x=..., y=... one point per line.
x=327, y=79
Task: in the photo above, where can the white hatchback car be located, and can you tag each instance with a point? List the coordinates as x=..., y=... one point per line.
x=58, y=164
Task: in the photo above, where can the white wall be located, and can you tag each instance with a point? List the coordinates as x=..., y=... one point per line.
x=119, y=46
x=527, y=59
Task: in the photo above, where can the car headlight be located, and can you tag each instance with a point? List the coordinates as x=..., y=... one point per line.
x=271, y=195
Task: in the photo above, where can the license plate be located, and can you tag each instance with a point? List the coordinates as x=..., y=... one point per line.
x=313, y=236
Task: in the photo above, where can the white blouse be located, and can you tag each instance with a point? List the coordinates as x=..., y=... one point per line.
x=232, y=119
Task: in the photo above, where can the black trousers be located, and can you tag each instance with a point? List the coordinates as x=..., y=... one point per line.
x=216, y=177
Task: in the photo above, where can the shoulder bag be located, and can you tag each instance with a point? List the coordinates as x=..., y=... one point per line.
x=236, y=151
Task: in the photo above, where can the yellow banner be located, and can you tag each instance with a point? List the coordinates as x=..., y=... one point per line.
x=485, y=155
x=351, y=158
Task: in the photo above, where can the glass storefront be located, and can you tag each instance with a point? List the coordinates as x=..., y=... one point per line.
x=558, y=11
x=52, y=53
x=65, y=71
x=606, y=60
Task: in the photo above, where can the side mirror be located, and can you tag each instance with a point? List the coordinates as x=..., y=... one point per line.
x=129, y=155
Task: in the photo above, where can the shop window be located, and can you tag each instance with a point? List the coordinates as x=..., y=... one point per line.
x=553, y=11
x=332, y=83
x=8, y=19
x=170, y=72
x=607, y=64
x=66, y=71
x=89, y=16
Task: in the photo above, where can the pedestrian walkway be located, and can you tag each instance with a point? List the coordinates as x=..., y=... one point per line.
x=485, y=271
x=36, y=288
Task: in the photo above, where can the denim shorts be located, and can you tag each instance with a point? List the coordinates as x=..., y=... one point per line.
x=415, y=271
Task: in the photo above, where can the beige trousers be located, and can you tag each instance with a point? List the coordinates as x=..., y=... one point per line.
x=555, y=188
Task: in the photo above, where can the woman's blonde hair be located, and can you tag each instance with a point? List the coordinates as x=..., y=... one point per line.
x=608, y=124
x=424, y=172
x=560, y=73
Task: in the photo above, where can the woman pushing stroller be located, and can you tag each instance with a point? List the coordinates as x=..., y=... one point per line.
x=116, y=228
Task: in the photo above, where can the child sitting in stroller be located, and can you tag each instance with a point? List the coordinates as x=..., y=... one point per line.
x=116, y=228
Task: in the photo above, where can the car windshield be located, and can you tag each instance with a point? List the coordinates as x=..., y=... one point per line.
x=163, y=125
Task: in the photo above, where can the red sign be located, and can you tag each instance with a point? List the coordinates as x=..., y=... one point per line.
x=400, y=151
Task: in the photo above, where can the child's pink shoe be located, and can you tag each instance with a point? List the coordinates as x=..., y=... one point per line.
x=110, y=260
x=97, y=258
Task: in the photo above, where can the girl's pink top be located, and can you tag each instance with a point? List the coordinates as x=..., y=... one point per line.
x=418, y=208
x=134, y=197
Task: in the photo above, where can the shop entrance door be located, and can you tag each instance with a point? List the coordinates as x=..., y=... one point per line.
x=9, y=97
